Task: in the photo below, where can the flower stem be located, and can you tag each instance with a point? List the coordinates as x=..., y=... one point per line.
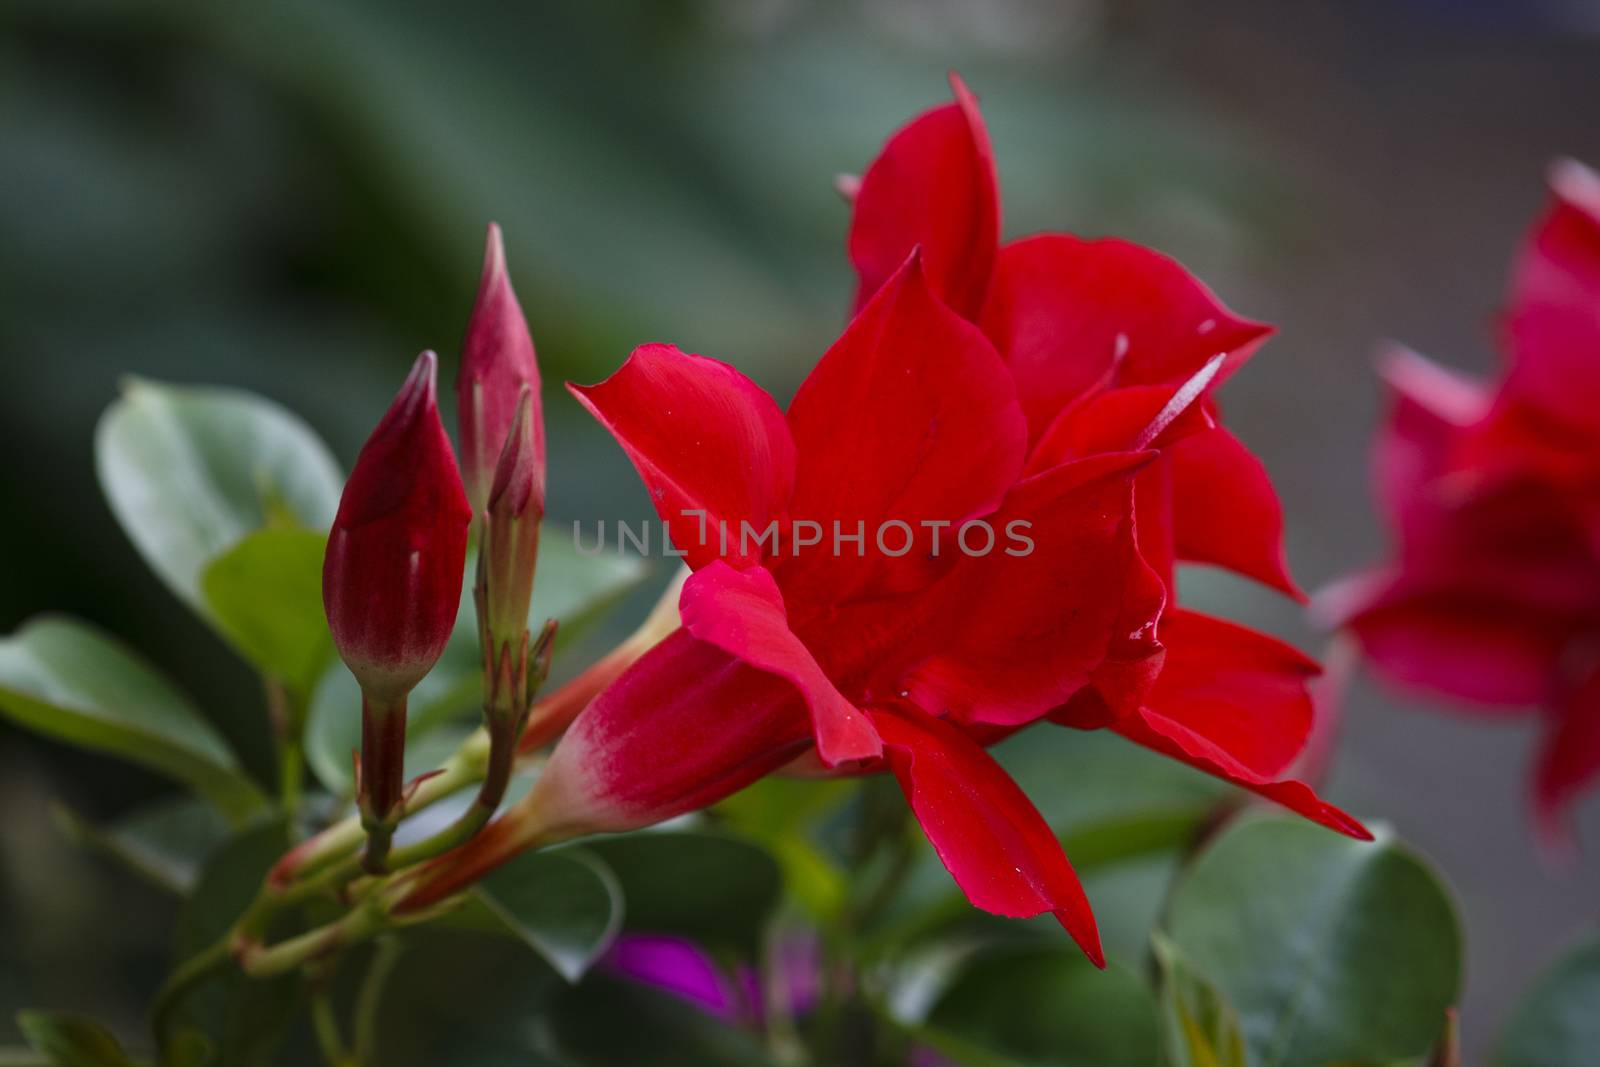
x=286, y=713
x=183, y=981
x=501, y=760
x=370, y=998
x=383, y=776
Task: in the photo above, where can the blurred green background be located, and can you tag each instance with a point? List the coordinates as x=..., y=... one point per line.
x=290, y=197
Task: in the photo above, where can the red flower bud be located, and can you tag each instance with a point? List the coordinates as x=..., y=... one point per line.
x=497, y=363
x=391, y=580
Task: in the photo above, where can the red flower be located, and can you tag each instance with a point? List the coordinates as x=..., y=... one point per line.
x=497, y=363
x=1024, y=384
x=911, y=416
x=1113, y=346
x=1493, y=493
x=391, y=579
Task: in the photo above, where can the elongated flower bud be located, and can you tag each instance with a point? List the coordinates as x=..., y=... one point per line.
x=391, y=579
x=511, y=534
x=497, y=363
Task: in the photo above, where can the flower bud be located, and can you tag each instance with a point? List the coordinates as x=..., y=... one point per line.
x=391, y=579
x=497, y=363
x=510, y=544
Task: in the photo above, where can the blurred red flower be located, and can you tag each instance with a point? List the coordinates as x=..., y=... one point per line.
x=1492, y=490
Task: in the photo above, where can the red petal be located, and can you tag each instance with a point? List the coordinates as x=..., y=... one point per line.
x=742, y=613
x=1455, y=642
x=1068, y=314
x=1127, y=419
x=989, y=836
x=1555, y=304
x=910, y=417
x=1568, y=762
x=684, y=727
x=704, y=438
x=1432, y=405
x=1242, y=691
x=1155, y=731
x=1225, y=510
x=933, y=186
x=1018, y=635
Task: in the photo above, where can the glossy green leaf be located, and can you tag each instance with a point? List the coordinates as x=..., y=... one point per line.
x=1048, y=1006
x=715, y=889
x=1558, y=1023
x=71, y=1040
x=69, y=681
x=566, y=905
x=1201, y=1027
x=265, y=595
x=191, y=470
x=1329, y=949
x=165, y=842
x=609, y=1022
x=572, y=588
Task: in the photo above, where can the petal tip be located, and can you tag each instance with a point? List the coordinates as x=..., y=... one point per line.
x=1577, y=185
x=421, y=385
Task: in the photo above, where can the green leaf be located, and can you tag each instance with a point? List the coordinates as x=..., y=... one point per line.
x=265, y=595
x=576, y=588
x=190, y=471
x=227, y=885
x=165, y=842
x=714, y=889
x=1329, y=949
x=1048, y=1006
x=71, y=1040
x=608, y=1022
x=450, y=692
x=780, y=812
x=190, y=1048
x=571, y=587
x=1202, y=1029
x=71, y=682
x=245, y=1017
x=1084, y=782
x=566, y=905
x=1558, y=1023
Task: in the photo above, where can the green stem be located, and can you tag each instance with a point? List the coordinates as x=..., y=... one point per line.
x=179, y=985
x=286, y=712
x=263, y=961
x=503, y=732
x=326, y=1028
x=380, y=795
x=467, y=765
x=370, y=999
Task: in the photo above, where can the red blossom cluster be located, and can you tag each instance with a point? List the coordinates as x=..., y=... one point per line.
x=1063, y=382
x=1492, y=490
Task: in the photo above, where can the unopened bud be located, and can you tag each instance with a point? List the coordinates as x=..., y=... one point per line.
x=497, y=363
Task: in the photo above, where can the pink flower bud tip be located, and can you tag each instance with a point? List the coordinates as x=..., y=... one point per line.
x=391, y=579
x=497, y=363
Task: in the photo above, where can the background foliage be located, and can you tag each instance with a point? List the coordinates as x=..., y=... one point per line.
x=290, y=197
